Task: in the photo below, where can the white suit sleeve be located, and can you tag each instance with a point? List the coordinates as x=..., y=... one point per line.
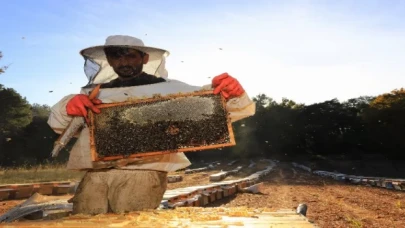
x=59, y=119
x=238, y=107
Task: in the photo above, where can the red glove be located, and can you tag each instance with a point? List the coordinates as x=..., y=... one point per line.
x=228, y=86
x=78, y=104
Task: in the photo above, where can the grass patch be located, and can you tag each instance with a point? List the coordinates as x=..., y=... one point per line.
x=40, y=173
x=400, y=205
x=354, y=222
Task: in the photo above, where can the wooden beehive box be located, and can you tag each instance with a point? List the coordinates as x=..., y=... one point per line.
x=159, y=125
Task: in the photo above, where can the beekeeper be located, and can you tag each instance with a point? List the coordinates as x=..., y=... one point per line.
x=127, y=68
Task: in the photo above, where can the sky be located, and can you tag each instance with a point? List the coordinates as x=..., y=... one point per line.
x=307, y=51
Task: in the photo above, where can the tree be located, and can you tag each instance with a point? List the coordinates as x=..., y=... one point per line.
x=262, y=101
x=395, y=99
x=40, y=111
x=16, y=111
x=385, y=124
x=15, y=115
x=327, y=128
x=279, y=131
x=4, y=68
x=38, y=137
x=359, y=103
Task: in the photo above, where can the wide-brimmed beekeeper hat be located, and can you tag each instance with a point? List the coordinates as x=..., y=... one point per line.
x=98, y=70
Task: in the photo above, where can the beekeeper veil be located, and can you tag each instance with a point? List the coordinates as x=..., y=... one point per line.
x=98, y=70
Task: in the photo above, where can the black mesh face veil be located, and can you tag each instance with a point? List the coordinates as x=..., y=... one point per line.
x=91, y=69
x=99, y=70
x=116, y=52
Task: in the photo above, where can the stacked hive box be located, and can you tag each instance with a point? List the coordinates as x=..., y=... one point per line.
x=221, y=175
x=205, y=194
x=189, y=171
x=384, y=182
x=20, y=191
x=174, y=178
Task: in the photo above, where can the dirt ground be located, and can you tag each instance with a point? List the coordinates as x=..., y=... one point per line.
x=8, y=204
x=330, y=203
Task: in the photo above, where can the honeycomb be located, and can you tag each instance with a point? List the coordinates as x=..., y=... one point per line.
x=164, y=124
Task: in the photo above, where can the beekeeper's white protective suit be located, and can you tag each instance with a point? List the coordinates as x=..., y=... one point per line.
x=80, y=158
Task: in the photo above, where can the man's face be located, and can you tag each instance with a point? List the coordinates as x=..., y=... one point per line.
x=126, y=62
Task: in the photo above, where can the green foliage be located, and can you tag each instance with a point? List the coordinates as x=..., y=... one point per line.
x=15, y=114
x=385, y=124
x=40, y=111
x=363, y=127
x=4, y=68
x=25, y=136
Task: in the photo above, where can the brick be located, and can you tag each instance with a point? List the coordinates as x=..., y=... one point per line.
x=212, y=197
x=46, y=188
x=24, y=191
x=219, y=194
x=5, y=193
x=60, y=189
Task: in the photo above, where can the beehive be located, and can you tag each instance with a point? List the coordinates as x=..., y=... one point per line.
x=163, y=124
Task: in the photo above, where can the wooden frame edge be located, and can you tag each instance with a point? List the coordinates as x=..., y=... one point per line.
x=93, y=151
x=156, y=98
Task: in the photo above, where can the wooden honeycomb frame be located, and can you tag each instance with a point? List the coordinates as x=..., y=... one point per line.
x=96, y=157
